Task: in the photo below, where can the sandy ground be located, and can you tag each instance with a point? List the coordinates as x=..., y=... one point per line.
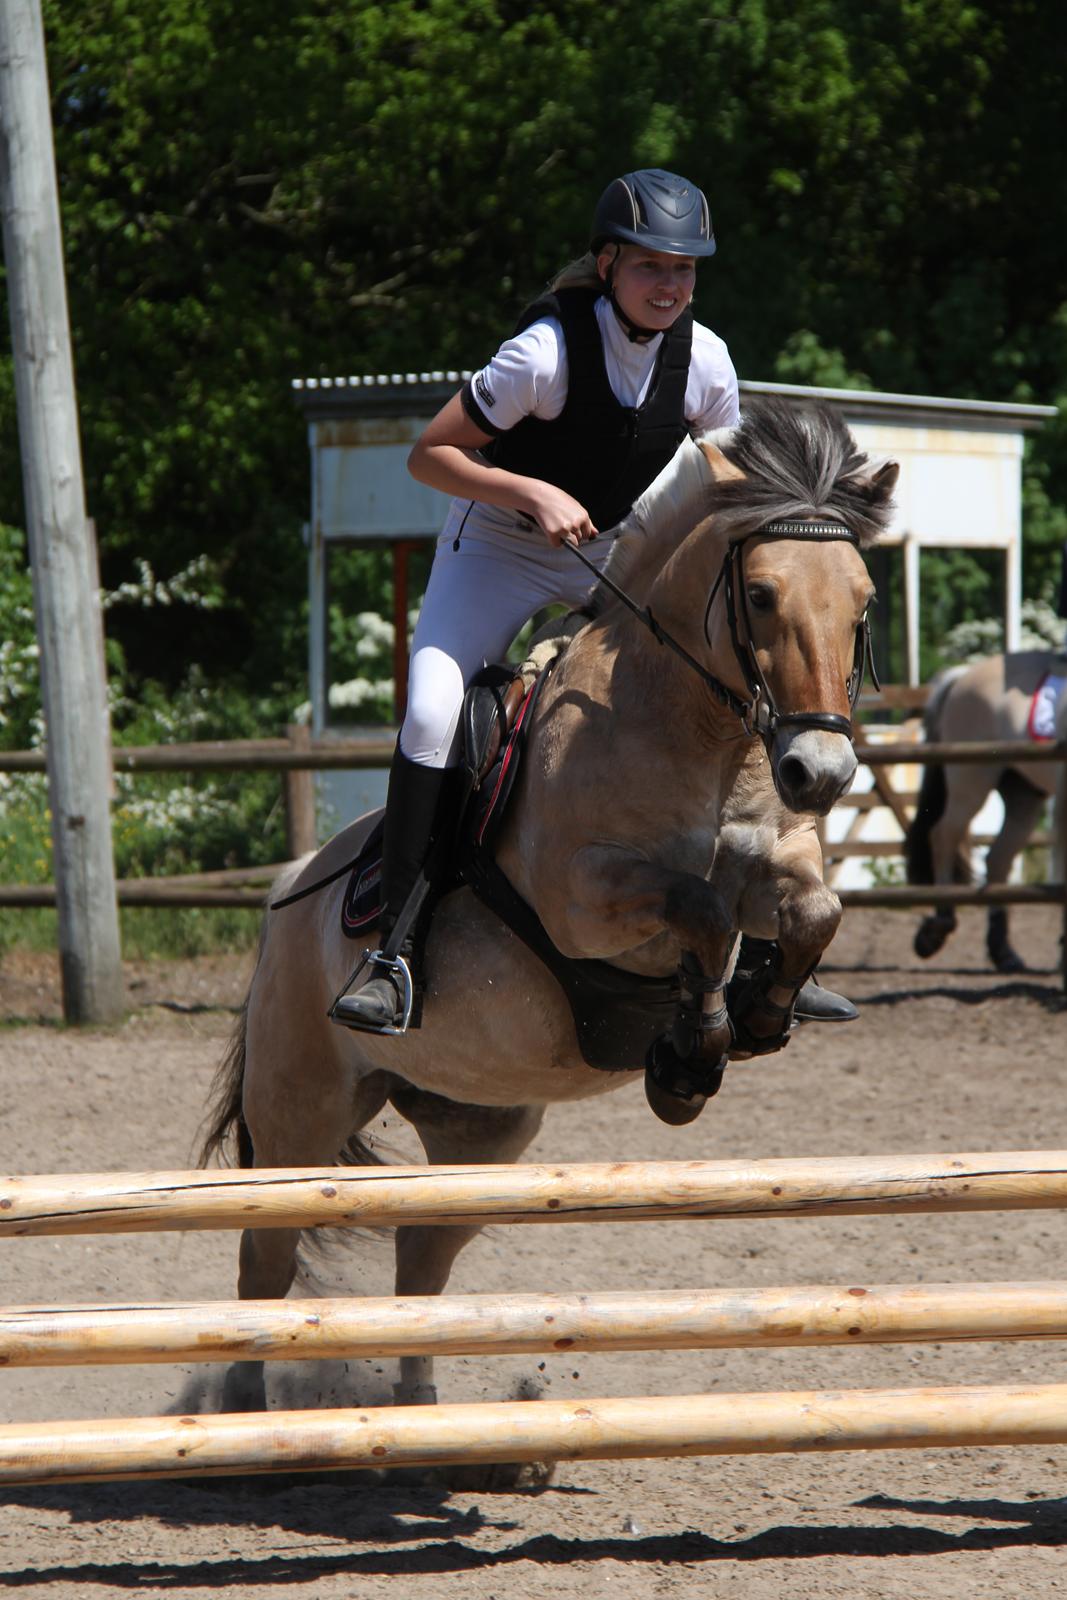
x=946, y=1056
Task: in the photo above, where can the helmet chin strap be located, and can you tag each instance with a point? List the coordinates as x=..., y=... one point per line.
x=634, y=331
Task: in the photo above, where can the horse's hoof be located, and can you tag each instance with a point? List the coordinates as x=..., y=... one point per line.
x=678, y=1088
x=671, y=1107
x=497, y=1477
x=927, y=942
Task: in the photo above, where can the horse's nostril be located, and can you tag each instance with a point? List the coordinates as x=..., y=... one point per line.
x=792, y=772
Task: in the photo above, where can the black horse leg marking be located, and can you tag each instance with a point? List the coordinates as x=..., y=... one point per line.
x=685, y=1066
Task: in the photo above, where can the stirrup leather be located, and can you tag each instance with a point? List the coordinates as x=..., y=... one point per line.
x=398, y=969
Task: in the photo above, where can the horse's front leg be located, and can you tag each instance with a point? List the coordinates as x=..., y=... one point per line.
x=621, y=902
x=790, y=901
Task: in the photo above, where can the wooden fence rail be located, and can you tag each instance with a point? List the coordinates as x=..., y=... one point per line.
x=298, y=755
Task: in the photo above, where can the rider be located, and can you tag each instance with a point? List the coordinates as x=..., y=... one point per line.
x=549, y=443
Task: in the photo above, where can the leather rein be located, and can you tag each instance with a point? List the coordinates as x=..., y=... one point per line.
x=758, y=714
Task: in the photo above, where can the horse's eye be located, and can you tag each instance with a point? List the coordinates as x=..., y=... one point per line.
x=760, y=597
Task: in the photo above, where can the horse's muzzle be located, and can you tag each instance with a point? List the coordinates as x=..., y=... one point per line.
x=812, y=768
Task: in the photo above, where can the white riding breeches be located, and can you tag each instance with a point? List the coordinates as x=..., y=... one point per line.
x=477, y=599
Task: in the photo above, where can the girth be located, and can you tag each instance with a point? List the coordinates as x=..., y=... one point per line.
x=617, y=1015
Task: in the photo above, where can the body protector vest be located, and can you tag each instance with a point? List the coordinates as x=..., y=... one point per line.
x=603, y=453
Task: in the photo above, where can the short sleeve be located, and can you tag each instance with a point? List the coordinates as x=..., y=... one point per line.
x=711, y=396
x=527, y=377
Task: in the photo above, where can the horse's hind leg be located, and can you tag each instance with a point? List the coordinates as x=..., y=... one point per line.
x=1023, y=805
x=309, y=1131
x=450, y=1134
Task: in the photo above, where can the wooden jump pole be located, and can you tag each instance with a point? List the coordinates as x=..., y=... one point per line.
x=351, y=1329
x=603, y=1192
x=572, y=1430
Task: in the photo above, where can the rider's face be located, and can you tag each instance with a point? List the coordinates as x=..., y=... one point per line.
x=652, y=288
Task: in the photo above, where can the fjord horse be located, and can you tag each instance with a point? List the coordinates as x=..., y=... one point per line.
x=675, y=765
x=988, y=700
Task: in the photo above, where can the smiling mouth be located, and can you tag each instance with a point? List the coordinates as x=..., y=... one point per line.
x=661, y=305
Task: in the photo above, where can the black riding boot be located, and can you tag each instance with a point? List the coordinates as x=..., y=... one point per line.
x=813, y=1003
x=412, y=814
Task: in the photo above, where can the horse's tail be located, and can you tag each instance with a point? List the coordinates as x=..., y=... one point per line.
x=227, y=1136
x=933, y=792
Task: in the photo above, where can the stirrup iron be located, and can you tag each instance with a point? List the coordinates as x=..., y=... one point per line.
x=397, y=968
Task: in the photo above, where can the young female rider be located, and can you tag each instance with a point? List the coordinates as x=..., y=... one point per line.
x=547, y=445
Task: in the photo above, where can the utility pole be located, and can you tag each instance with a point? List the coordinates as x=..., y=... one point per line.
x=73, y=686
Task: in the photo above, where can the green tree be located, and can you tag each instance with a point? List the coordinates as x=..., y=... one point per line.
x=256, y=192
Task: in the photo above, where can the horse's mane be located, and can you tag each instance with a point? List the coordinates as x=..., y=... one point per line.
x=800, y=462
x=793, y=461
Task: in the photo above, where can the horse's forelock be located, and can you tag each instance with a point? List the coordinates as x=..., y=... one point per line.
x=799, y=463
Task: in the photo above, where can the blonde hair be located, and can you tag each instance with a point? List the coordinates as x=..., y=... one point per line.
x=580, y=274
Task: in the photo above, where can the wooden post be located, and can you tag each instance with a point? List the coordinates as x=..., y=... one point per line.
x=298, y=788
x=72, y=681
x=1059, y=853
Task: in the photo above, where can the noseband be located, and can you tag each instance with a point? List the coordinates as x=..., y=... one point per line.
x=759, y=714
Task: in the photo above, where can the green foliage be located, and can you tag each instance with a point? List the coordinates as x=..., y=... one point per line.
x=256, y=192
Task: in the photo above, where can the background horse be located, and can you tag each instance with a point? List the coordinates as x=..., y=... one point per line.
x=648, y=824
x=988, y=700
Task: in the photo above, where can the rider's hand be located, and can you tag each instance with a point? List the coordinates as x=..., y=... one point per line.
x=561, y=518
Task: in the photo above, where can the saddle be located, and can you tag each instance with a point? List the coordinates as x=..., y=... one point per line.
x=617, y=1015
x=1041, y=722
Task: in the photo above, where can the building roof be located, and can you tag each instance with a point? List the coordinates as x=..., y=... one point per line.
x=423, y=393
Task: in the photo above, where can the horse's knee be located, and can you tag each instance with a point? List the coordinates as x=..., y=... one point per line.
x=809, y=921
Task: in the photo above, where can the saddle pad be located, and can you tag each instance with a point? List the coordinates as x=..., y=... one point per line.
x=1041, y=723
x=362, y=902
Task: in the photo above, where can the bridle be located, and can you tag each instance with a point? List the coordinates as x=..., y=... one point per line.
x=758, y=714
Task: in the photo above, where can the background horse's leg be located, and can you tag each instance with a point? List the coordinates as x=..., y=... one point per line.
x=1023, y=806
x=966, y=788
x=450, y=1133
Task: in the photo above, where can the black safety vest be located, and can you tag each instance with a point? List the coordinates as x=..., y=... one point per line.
x=603, y=453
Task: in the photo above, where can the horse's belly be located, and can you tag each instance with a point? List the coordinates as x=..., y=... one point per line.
x=496, y=1027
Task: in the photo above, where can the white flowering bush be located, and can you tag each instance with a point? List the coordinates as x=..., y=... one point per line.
x=161, y=823
x=1040, y=629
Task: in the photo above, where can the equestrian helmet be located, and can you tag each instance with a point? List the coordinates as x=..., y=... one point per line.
x=656, y=209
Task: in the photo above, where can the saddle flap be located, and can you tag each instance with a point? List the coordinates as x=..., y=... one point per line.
x=361, y=906
x=490, y=707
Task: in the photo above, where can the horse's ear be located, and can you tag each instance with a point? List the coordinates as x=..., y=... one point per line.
x=884, y=481
x=722, y=470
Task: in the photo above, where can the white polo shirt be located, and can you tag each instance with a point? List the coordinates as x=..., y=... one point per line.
x=528, y=377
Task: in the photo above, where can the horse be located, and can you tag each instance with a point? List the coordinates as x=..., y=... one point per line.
x=988, y=700
x=677, y=758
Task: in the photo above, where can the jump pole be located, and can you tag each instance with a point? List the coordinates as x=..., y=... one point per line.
x=318, y=1330
x=593, y=1192
x=515, y=1431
